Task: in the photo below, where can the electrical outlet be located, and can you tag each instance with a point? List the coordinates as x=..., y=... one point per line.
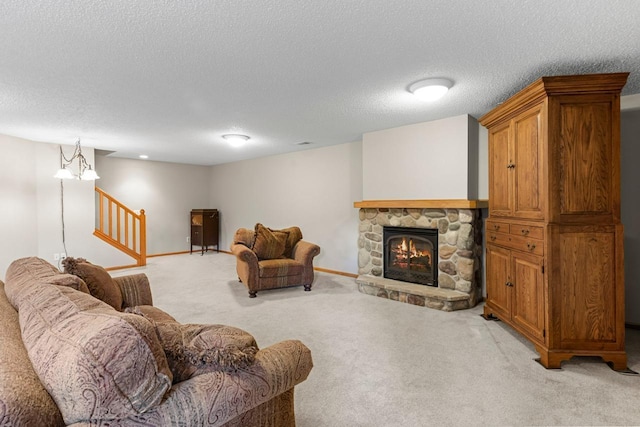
x=56, y=257
x=188, y=239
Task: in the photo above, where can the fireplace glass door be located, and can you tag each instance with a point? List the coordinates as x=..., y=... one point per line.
x=411, y=254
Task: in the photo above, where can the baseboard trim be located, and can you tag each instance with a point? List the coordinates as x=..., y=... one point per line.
x=121, y=267
x=168, y=253
x=339, y=273
x=632, y=326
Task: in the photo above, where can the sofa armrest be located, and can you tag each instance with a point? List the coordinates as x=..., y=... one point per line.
x=135, y=290
x=244, y=253
x=247, y=265
x=304, y=252
x=214, y=398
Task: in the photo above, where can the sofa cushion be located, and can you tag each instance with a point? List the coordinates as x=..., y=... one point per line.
x=282, y=267
x=99, y=281
x=269, y=244
x=197, y=349
x=96, y=363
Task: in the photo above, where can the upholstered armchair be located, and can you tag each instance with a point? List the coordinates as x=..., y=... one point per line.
x=270, y=259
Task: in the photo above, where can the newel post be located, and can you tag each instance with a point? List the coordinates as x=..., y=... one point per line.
x=143, y=239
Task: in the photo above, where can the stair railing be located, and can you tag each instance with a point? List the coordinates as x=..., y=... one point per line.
x=121, y=227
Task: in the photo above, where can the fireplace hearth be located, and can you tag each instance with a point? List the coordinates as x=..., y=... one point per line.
x=410, y=254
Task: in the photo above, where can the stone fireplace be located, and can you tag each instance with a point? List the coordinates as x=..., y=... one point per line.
x=456, y=255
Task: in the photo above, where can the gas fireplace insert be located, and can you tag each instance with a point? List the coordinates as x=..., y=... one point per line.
x=411, y=255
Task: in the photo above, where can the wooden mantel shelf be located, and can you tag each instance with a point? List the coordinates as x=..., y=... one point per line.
x=420, y=204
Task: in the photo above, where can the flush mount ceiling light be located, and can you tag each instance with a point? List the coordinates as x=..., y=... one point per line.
x=236, y=140
x=430, y=89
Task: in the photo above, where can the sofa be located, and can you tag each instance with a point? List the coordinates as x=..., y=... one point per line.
x=70, y=358
x=271, y=259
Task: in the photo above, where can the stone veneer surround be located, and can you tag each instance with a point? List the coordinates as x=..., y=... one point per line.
x=459, y=256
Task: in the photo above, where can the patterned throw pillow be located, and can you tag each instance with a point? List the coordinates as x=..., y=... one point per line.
x=98, y=280
x=294, y=235
x=244, y=236
x=70, y=281
x=269, y=244
x=193, y=350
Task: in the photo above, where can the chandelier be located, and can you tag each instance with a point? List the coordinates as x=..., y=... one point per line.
x=85, y=170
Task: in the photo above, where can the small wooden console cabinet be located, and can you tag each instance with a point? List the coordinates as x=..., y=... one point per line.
x=205, y=225
x=554, y=237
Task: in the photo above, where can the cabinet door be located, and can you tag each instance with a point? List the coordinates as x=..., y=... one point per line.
x=210, y=228
x=500, y=161
x=586, y=166
x=528, y=294
x=528, y=169
x=498, y=293
x=589, y=298
x=196, y=235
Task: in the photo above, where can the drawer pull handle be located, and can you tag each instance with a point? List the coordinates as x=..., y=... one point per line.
x=524, y=231
x=511, y=166
x=509, y=284
x=496, y=227
x=531, y=246
x=493, y=237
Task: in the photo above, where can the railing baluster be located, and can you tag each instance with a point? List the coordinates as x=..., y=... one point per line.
x=118, y=226
x=133, y=226
x=101, y=203
x=110, y=219
x=126, y=229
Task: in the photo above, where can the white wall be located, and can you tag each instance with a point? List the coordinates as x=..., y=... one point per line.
x=630, y=176
x=313, y=189
x=31, y=212
x=18, y=201
x=483, y=163
x=408, y=162
x=166, y=191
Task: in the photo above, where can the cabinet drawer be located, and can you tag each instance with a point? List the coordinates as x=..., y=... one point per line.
x=497, y=227
x=524, y=244
x=530, y=231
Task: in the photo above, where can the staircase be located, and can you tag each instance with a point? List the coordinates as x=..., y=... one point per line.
x=121, y=227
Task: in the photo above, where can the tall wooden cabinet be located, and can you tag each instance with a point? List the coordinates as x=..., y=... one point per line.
x=205, y=224
x=554, y=237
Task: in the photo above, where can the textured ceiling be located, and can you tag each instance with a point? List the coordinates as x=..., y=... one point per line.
x=168, y=78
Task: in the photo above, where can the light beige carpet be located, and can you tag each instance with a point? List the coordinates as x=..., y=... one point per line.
x=385, y=363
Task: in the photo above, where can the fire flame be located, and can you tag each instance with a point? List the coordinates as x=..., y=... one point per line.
x=404, y=252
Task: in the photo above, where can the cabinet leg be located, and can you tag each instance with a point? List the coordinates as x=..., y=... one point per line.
x=551, y=359
x=489, y=316
x=307, y=288
x=617, y=360
x=253, y=294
